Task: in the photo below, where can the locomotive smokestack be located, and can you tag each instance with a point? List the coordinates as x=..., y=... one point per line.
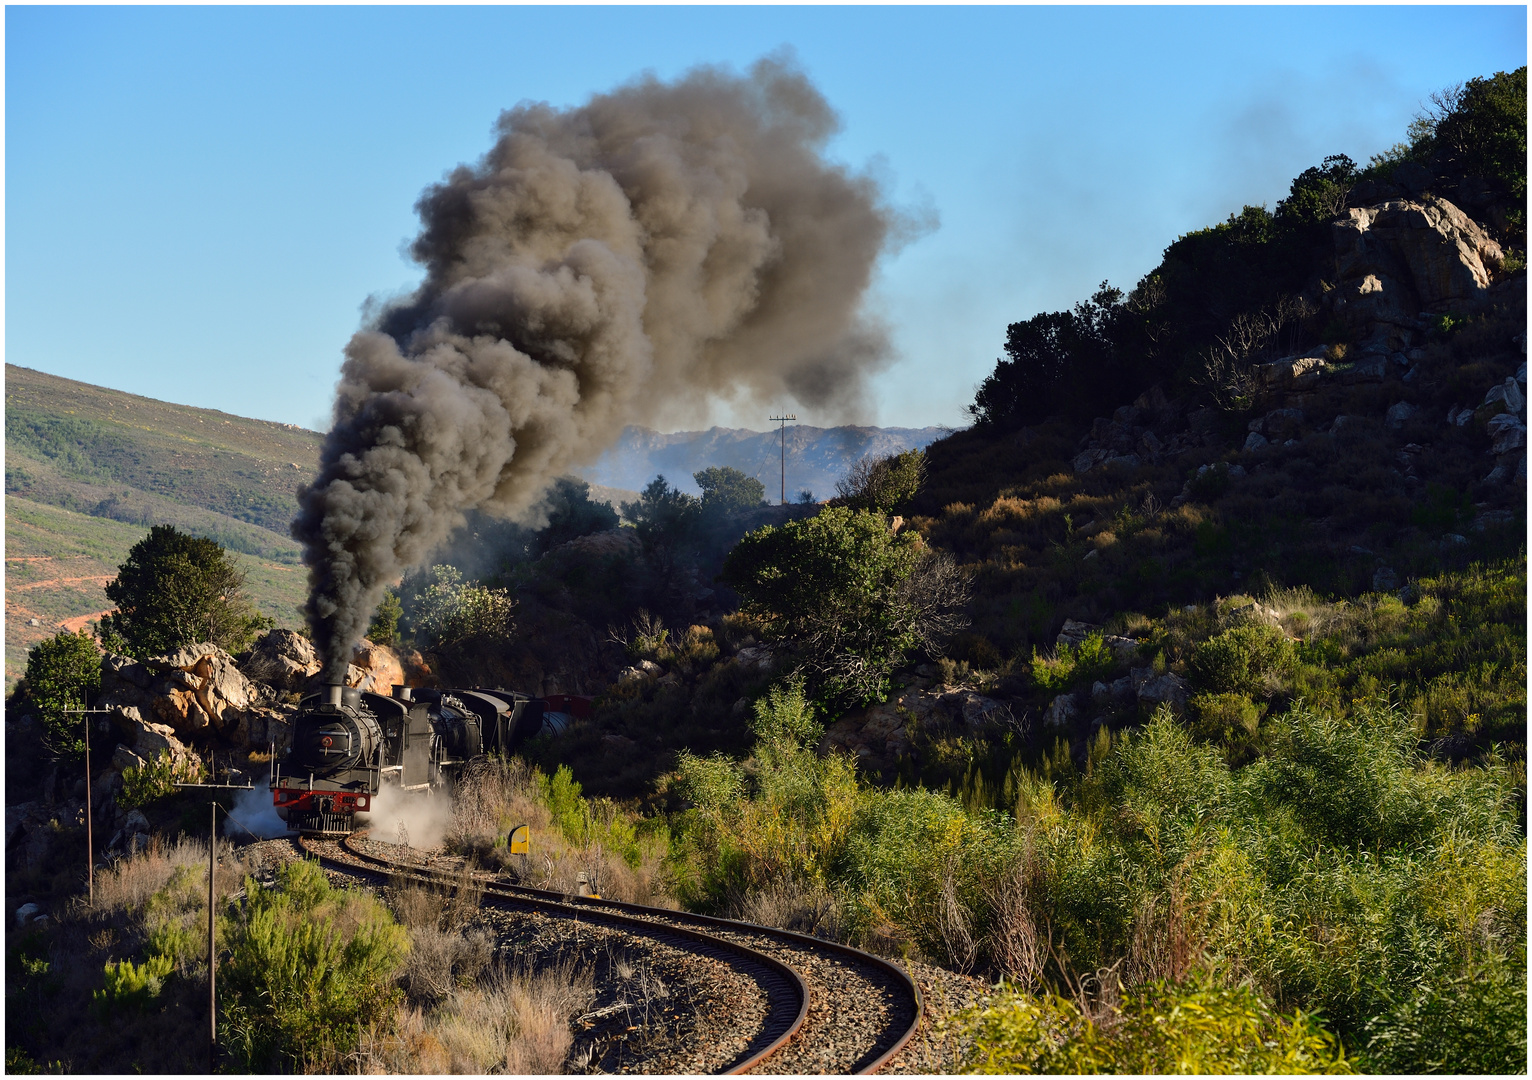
x=333, y=694
x=631, y=260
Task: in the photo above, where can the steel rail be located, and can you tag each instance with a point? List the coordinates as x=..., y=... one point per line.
x=796, y=990
x=894, y=972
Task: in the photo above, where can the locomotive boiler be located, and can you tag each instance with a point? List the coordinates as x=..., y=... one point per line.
x=348, y=745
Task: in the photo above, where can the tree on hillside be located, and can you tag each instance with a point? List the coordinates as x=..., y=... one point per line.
x=572, y=514
x=175, y=590
x=667, y=521
x=62, y=672
x=1481, y=126
x=449, y=613
x=726, y=490
x=1054, y=364
x=384, y=628
x=882, y=484
x=849, y=598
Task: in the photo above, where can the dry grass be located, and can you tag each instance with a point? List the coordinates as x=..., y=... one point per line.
x=127, y=885
x=789, y=904
x=1017, y=947
x=442, y=961
x=510, y=1022
x=506, y=794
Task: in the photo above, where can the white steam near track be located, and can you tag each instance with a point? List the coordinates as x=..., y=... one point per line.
x=417, y=819
x=626, y=261
x=254, y=813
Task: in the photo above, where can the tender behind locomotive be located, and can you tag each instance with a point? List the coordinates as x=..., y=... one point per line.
x=348, y=744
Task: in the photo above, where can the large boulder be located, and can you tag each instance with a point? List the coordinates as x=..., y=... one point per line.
x=1292, y=372
x=1399, y=257
x=374, y=668
x=1156, y=690
x=202, y=686
x=146, y=740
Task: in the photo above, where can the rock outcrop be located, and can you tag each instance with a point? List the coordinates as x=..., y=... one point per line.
x=375, y=668
x=1400, y=257
x=283, y=659
x=880, y=734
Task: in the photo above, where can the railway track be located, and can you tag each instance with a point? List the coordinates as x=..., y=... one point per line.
x=829, y=1008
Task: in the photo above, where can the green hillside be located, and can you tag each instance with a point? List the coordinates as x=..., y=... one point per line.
x=88, y=470
x=57, y=564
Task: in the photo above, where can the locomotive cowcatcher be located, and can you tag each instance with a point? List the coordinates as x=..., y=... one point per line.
x=349, y=744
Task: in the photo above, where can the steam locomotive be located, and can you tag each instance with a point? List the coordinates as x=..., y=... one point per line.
x=348, y=745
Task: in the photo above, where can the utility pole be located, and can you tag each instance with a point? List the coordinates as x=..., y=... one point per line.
x=90, y=843
x=212, y=943
x=783, y=420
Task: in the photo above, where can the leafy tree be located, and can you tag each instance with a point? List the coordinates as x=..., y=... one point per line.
x=384, y=628
x=1054, y=363
x=449, y=612
x=1481, y=128
x=667, y=521
x=572, y=514
x=176, y=590
x=62, y=672
x=882, y=484
x=726, y=490
x=848, y=596
x=1319, y=192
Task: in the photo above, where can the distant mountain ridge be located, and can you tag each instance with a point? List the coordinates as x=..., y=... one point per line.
x=816, y=457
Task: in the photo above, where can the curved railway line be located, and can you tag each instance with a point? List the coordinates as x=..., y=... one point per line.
x=829, y=1008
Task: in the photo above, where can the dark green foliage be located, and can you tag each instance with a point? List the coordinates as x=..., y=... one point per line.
x=572, y=514
x=1473, y=1023
x=1052, y=364
x=726, y=490
x=1483, y=130
x=884, y=484
x=667, y=521
x=1319, y=192
x=1240, y=660
x=175, y=590
x=62, y=673
x=848, y=595
x=309, y=968
x=384, y=628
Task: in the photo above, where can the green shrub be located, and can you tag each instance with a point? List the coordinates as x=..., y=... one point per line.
x=157, y=779
x=587, y=821
x=1224, y=717
x=451, y=613
x=848, y=596
x=1240, y=660
x=1161, y=1028
x=1073, y=665
x=310, y=968
x=62, y=672
x=133, y=986
x=1473, y=1023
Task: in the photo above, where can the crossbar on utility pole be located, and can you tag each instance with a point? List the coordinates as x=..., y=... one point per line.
x=783, y=420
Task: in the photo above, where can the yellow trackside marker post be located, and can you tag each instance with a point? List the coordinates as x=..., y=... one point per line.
x=520, y=840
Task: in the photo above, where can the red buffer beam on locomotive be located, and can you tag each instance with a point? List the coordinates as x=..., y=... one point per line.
x=348, y=745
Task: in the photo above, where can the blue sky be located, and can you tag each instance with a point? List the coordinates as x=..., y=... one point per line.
x=199, y=200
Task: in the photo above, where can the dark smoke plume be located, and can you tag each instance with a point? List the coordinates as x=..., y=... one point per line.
x=627, y=261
